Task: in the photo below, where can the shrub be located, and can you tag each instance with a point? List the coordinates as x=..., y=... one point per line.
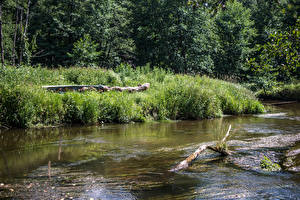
x=283, y=92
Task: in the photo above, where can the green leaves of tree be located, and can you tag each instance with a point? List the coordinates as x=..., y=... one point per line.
x=234, y=31
x=171, y=34
x=279, y=58
x=85, y=52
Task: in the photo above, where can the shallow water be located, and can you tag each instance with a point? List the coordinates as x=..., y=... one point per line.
x=131, y=161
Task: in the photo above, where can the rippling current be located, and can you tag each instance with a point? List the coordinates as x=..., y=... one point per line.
x=131, y=161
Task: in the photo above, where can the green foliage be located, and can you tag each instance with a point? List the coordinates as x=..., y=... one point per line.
x=279, y=58
x=61, y=26
x=268, y=165
x=80, y=108
x=210, y=37
x=282, y=92
x=222, y=146
x=17, y=106
x=234, y=32
x=268, y=16
x=171, y=34
x=84, y=53
x=119, y=107
x=23, y=103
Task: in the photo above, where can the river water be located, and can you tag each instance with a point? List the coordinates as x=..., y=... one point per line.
x=132, y=161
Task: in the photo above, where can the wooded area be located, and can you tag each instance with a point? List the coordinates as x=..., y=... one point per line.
x=256, y=41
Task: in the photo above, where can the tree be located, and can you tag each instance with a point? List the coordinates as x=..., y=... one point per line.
x=1, y=35
x=85, y=52
x=171, y=34
x=59, y=24
x=234, y=32
x=279, y=59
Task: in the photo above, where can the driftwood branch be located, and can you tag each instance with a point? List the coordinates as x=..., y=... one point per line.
x=227, y=134
x=282, y=103
x=99, y=88
x=220, y=148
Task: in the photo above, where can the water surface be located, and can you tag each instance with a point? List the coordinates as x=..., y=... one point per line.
x=131, y=161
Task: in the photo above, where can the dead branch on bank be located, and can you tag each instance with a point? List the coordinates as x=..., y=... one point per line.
x=99, y=88
x=220, y=147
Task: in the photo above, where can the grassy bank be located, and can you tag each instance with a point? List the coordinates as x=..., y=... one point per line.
x=23, y=103
x=290, y=92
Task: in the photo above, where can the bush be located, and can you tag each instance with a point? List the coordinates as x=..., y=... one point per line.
x=283, y=92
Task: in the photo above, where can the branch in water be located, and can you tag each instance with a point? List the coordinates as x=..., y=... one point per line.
x=219, y=148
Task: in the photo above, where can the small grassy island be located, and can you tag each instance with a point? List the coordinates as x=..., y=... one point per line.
x=24, y=103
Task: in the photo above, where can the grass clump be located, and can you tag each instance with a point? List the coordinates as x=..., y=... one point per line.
x=268, y=165
x=23, y=103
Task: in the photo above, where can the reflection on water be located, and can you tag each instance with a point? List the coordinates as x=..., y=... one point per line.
x=131, y=161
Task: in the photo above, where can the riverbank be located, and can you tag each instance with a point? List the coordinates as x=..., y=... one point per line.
x=290, y=92
x=23, y=102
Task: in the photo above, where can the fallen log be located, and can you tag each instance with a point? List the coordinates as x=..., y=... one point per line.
x=99, y=88
x=220, y=148
x=282, y=103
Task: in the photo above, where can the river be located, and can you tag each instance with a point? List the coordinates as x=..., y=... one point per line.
x=132, y=161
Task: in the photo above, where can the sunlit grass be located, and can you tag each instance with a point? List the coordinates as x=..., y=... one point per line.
x=23, y=103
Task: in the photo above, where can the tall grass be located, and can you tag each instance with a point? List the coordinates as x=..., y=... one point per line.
x=23, y=103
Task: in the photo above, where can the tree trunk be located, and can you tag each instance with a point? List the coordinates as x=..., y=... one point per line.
x=24, y=48
x=22, y=38
x=1, y=36
x=27, y=19
x=15, y=37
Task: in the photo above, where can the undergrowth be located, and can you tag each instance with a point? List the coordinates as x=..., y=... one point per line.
x=23, y=103
x=283, y=92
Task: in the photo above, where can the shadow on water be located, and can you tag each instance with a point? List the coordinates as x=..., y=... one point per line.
x=131, y=161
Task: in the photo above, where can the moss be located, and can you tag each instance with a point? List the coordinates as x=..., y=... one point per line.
x=268, y=165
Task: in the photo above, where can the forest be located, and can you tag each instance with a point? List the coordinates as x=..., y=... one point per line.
x=240, y=40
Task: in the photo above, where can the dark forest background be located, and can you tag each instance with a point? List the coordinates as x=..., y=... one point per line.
x=241, y=40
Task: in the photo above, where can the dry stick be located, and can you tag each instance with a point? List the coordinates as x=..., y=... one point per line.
x=49, y=170
x=185, y=163
x=282, y=103
x=227, y=134
x=59, y=149
x=219, y=148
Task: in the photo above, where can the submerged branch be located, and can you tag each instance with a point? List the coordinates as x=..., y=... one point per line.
x=185, y=163
x=220, y=148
